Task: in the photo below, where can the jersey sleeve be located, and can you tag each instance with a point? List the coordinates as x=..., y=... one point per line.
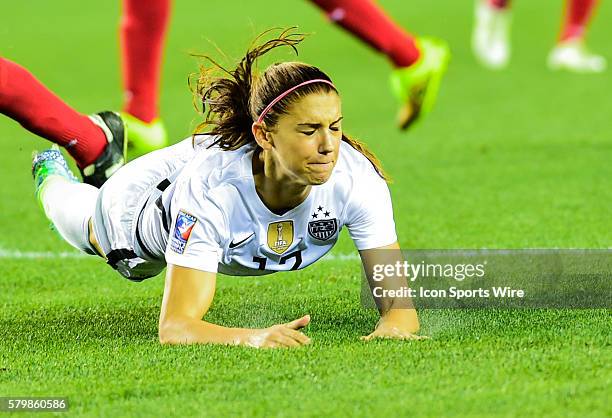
x=369, y=214
x=196, y=234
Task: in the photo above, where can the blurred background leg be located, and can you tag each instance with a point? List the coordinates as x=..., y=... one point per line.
x=419, y=63
x=491, y=33
x=577, y=16
x=369, y=23
x=143, y=31
x=571, y=53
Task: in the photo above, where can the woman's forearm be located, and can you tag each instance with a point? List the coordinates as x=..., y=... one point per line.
x=195, y=331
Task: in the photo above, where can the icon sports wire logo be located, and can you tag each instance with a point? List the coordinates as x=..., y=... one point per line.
x=182, y=231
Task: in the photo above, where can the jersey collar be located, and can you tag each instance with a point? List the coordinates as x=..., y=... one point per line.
x=255, y=200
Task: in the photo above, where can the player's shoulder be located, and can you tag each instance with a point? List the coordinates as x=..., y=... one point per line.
x=213, y=177
x=213, y=167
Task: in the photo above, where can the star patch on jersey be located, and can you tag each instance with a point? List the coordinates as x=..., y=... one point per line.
x=322, y=229
x=280, y=236
x=182, y=231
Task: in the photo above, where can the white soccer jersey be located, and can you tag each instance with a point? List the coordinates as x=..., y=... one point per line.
x=211, y=218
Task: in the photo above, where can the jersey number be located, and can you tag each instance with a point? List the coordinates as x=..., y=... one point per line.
x=296, y=265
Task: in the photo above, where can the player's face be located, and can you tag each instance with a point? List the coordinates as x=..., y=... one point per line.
x=307, y=138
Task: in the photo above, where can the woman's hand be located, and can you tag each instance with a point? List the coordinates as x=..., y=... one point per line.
x=392, y=331
x=280, y=336
x=398, y=319
x=398, y=324
x=187, y=296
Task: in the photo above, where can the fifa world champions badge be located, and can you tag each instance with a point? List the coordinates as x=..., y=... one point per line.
x=280, y=236
x=182, y=231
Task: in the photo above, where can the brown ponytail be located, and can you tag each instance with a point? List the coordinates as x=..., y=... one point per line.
x=231, y=100
x=361, y=147
x=225, y=98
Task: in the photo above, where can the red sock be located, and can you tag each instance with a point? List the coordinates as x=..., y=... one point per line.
x=500, y=4
x=368, y=22
x=24, y=99
x=577, y=15
x=143, y=31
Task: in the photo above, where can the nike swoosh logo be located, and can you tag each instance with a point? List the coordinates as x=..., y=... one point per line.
x=235, y=244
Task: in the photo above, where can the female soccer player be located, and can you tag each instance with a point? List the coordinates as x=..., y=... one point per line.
x=266, y=189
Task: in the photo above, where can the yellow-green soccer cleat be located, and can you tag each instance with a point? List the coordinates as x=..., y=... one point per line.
x=416, y=87
x=47, y=165
x=145, y=137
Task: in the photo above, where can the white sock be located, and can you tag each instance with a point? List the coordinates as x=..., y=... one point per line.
x=69, y=206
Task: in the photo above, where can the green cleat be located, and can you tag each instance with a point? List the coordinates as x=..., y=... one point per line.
x=47, y=165
x=145, y=137
x=416, y=87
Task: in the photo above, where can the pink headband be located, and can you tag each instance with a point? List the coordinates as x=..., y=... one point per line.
x=291, y=90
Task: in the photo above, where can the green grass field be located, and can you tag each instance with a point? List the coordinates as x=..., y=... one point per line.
x=517, y=159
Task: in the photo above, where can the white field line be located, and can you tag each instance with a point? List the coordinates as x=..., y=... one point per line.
x=342, y=257
x=8, y=254
x=37, y=255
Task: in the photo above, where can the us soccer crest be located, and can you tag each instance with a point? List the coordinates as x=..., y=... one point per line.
x=324, y=228
x=280, y=236
x=182, y=231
